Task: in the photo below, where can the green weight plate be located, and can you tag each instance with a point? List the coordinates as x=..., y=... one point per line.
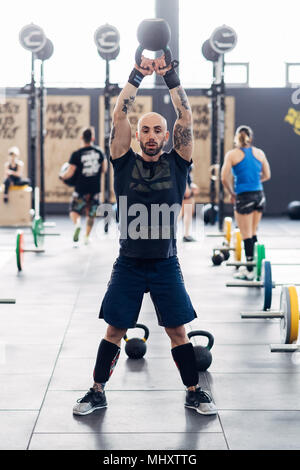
x=20, y=249
x=259, y=256
x=255, y=259
x=37, y=230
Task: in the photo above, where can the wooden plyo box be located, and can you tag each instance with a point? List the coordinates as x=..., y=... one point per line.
x=16, y=212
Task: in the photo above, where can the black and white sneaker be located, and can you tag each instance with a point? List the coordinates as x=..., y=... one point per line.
x=90, y=402
x=188, y=238
x=200, y=401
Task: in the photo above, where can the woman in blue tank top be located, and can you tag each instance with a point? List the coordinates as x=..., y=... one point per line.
x=250, y=168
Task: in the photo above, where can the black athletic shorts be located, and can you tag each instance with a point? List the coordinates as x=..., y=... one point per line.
x=250, y=201
x=132, y=277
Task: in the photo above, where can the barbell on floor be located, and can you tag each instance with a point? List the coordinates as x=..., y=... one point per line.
x=227, y=230
x=259, y=256
x=222, y=253
x=38, y=225
x=266, y=283
x=289, y=316
x=7, y=301
x=20, y=250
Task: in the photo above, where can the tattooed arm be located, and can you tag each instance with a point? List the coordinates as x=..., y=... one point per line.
x=183, y=127
x=120, y=137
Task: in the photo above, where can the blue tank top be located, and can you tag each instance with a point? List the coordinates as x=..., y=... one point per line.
x=247, y=173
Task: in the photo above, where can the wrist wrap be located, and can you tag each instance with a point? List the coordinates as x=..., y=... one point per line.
x=171, y=79
x=135, y=78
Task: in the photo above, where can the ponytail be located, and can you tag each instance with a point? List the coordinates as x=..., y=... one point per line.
x=243, y=139
x=243, y=136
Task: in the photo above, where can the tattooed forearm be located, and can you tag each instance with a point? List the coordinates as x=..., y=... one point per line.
x=127, y=104
x=182, y=136
x=112, y=134
x=179, y=113
x=183, y=98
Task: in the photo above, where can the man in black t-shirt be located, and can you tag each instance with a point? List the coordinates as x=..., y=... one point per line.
x=88, y=162
x=144, y=184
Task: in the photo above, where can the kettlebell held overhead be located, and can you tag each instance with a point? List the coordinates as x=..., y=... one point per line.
x=153, y=35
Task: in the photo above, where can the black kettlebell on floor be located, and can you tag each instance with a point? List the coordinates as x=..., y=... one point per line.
x=202, y=353
x=210, y=214
x=226, y=254
x=217, y=258
x=154, y=35
x=136, y=347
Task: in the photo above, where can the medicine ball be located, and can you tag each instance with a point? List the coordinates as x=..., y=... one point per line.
x=70, y=181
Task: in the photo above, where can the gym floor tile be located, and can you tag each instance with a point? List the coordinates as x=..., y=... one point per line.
x=18, y=392
x=58, y=299
x=129, y=441
x=35, y=297
x=28, y=358
x=253, y=300
x=147, y=412
x=16, y=330
x=142, y=374
x=77, y=346
x=234, y=359
x=255, y=391
x=90, y=328
x=208, y=313
x=263, y=430
x=16, y=428
x=41, y=309
x=244, y=332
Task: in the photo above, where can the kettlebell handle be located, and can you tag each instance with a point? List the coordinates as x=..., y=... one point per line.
x=143, y=327
x=139, y=51
x=208, y=335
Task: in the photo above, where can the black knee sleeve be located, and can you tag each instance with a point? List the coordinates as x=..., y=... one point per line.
x=254, y=238
x=249, y=248
x=107, y=358
x=184, y=357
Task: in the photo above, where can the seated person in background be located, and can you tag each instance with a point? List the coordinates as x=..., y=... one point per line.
x=13, y=169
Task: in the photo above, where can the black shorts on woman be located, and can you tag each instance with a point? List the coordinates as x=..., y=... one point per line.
x=250, y=201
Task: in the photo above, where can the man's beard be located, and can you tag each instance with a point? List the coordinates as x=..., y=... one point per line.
x=152, y=151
